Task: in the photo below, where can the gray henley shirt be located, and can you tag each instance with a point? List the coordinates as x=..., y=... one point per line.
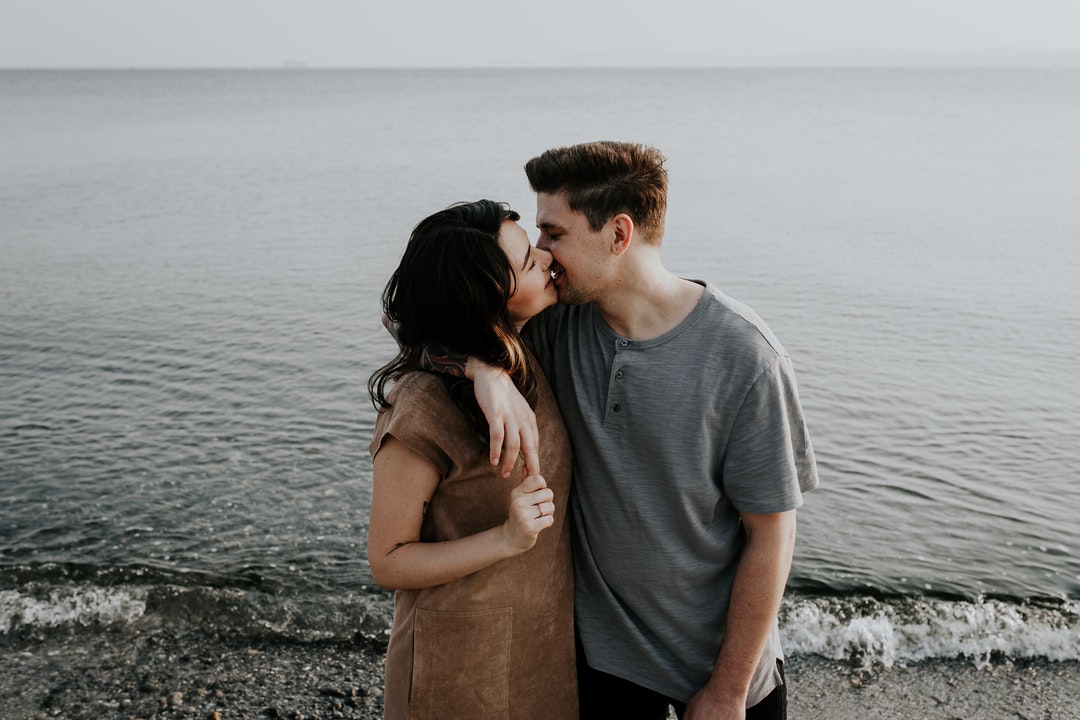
x=673, y=437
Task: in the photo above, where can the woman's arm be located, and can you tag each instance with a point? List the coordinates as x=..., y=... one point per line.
x=403, y=485
x=511, y=422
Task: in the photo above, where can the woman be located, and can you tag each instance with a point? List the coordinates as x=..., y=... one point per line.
x=483, y=618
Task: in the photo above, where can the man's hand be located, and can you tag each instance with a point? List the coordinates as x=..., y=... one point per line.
x=755, y=600
x=511, y=422
x=710, y=705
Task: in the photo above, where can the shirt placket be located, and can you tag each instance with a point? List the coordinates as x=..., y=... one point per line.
x=616, y=394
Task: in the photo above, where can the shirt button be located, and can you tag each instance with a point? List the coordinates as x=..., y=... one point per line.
x=615, y=407
x=618, y=374
x=624, y=343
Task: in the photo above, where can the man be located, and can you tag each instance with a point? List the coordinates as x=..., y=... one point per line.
x=691, y=452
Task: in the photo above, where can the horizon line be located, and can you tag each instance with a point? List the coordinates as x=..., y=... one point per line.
x=842, y=58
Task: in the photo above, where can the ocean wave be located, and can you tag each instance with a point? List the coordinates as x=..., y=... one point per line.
x=37, y=607
x=860, y=631
x=59, y=607
x=870, y=631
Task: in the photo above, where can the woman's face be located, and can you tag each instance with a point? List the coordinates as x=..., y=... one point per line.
x=535, y=289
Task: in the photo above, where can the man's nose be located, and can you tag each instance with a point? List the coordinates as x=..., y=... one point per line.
x=542, y=242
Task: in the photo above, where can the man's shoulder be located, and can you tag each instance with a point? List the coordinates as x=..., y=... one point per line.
x=555, y=320
x=736, y=322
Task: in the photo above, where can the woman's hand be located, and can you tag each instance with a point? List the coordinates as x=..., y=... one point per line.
x=511, y=422
x=532, y=509
x=404, y=483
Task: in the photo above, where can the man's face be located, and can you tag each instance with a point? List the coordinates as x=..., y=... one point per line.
x=576, y=250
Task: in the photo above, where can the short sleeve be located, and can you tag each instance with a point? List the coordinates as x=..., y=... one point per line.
x=770, y=462
x=422, y=416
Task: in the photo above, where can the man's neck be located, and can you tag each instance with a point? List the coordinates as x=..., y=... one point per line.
x=648, y=303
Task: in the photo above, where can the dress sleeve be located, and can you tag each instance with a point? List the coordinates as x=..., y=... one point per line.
x=420, y=415
x=770, y=461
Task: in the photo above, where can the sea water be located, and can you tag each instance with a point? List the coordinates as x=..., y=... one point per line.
x=190, y=269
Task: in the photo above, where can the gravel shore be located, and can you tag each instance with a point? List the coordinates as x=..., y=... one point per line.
x=127, y=674
x=168, y=674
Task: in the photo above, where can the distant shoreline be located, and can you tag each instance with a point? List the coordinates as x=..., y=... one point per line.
x=838, y=60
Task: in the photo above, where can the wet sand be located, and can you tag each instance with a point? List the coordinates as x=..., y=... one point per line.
x=947, y=690
x=170, y=674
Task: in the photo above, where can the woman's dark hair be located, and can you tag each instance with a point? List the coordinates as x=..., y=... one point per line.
x=449, y=293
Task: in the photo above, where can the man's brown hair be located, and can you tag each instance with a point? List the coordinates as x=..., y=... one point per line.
x=602, y=179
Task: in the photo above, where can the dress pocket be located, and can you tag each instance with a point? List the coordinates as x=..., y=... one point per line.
x=461, y=664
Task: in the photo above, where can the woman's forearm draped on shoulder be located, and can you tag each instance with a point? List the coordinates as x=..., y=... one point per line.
x=511, y=422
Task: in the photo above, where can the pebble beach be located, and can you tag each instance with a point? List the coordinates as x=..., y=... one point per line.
x=162, y=673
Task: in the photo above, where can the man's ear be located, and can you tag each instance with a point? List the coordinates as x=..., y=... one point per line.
x=622, y=233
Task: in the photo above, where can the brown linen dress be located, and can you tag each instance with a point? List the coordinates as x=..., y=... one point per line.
x=498, y=643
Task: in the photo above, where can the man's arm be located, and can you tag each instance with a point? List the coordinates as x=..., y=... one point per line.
x=755, y=601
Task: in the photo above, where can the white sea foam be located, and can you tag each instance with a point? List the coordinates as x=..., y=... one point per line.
x=862, y=631
x=83, y=605
x=867, y=631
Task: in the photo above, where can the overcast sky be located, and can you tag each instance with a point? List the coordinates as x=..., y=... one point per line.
x=449, y=33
